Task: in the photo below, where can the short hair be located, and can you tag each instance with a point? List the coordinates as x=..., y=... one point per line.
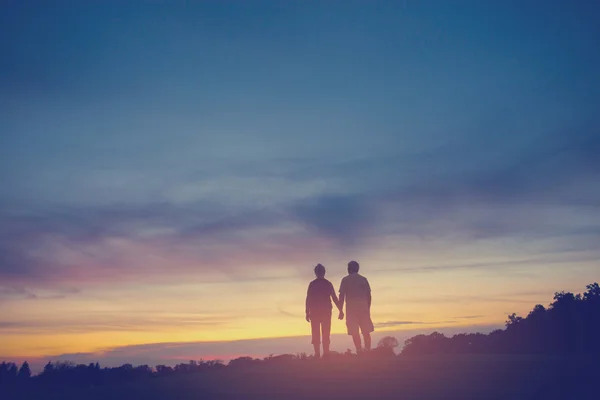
x=353, y=266
x=320, y=270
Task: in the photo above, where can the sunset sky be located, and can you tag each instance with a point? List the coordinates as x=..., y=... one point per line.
x=173, y=171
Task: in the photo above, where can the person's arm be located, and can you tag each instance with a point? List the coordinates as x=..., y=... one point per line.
x=308, y=304
x=368, y=293
x=335, y=299
x=341, y=300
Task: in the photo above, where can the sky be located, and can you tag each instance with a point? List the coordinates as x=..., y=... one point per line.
x=171, y=172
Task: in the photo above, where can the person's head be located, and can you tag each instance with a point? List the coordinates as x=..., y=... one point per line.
x=353, y=267
x=320, y=271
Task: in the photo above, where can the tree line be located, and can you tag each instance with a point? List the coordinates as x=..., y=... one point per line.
x=570, y=324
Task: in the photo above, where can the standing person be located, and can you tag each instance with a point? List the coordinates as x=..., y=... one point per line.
x=318, y=309
x=356, y=291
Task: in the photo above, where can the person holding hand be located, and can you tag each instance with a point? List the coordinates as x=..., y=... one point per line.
x=318, y=310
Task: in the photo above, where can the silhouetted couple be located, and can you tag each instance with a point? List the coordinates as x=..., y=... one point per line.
x=355, y=290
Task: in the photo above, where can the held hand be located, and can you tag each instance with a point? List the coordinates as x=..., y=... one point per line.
x=341, y=316
x=307, y=318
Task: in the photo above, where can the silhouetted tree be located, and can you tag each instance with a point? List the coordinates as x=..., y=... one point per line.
x=571, y=324
x=279, y=359
x=48, y=368
x=8, y=372
x=24, y=371
x=241, y=362
x=164, y=370
x=12, y=371
x=214, y=364
x=388, y=342
x=385, y=347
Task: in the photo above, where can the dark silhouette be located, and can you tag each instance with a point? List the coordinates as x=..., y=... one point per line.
x=24, y=372
x=318, y=310
x=388, y=342
x=571, y=324
x=243, y=362
x=8, y=372
x=552, y=353
x=385, y=349
x=356, y=291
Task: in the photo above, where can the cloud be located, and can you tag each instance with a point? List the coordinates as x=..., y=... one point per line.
x=547, y=190
x=538, y=193
x=345, y=219
x=12, y=292
x=103, y=322
x=116, y=241
x=289, y=314
x=388, y=324
x=468, y=299
x=552, y=257
x=554, y=173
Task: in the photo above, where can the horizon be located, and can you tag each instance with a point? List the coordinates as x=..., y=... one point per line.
x=153, y=354
x=172, y=173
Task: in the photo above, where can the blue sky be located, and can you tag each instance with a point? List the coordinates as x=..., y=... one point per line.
x=143, y=146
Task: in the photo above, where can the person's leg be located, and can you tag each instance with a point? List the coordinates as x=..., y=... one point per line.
x=367, y=337
x=316, y=339
x=356, y=340
x=366, y=327
x=353, y=328
x=326, y=333
x=317, y=349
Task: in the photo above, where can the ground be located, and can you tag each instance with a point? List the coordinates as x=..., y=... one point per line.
x=425, y=377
